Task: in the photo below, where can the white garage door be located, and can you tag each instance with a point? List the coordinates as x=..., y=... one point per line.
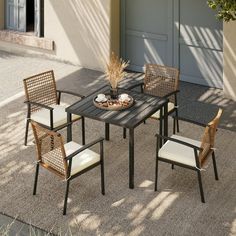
x=180, y=33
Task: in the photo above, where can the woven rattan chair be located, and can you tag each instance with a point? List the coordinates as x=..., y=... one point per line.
x=65, y=160
x=189, y=153
x=161, y=81
x=43, y=103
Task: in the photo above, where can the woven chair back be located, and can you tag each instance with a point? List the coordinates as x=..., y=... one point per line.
x=161, y=80
x=41, y=88
x=50, y=150
x=208, y=138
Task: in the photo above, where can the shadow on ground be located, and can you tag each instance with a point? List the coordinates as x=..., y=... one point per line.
x=175, y=209
x=199, y=103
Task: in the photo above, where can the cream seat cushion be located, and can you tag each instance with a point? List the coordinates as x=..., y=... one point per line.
x=179, y=153
x=59, y=116
x=82, y=160
x=156, y=115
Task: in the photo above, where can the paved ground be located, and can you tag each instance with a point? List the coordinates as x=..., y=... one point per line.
x=196, y=102
x=200, y=103
x=12, y=227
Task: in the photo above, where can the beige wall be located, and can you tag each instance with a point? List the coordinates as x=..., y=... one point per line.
x=86, y=31
x=1, y=14
x=115, y=26
x=230, y=59
x=82, y=30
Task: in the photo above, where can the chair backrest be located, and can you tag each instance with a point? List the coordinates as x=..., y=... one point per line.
x=50, y=150
x=41, y=88
x=161, y=80
x=208, y=139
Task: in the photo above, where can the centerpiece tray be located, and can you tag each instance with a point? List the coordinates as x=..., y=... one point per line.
x=114, y=104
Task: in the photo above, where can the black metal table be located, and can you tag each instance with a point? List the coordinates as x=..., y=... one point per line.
x=144, y=106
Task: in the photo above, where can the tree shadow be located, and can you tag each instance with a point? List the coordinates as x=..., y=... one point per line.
x=199, y=103
x=176, y=207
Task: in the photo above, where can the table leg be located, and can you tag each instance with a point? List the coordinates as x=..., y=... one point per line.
x=69, y=127
x=107, y=131
x=83, y=130
x=166, y=120
x=124, y=133
x=161, y=125
x=131, y=158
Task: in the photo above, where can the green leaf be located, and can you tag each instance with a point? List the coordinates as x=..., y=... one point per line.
x=226, y=9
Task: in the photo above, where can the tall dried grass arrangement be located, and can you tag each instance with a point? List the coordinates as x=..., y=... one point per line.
x=115, y=70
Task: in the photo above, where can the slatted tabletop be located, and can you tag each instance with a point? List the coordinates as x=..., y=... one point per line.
x=144, y=106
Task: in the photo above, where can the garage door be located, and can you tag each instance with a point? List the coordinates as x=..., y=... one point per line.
x=179, y=33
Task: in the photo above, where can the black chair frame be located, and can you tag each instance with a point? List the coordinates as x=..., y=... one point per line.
x=50, y=109
x=175, y=110
x=162, y=139
x=69, y=177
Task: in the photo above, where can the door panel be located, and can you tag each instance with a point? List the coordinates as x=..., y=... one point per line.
x=200, y=44
x=147, y=34
x=150, y=50
x=201, y=65
x=10, y=11
x=37, y=18
x=146, y=15
x=21, y=8
x=180, y=33
x=16, y=15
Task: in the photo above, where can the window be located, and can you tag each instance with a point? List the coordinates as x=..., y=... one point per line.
x=25, y=16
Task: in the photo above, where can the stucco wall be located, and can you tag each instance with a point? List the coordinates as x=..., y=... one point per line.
x=115, y=26
x=230, y=59
x=82, y=30
x=1, y=14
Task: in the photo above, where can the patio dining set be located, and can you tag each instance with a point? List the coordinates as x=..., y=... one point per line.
x=155, y=97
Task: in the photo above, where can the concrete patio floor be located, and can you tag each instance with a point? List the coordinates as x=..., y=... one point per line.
x=12, y=227
x=196, y=102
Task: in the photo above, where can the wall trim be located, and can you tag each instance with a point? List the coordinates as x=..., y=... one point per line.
x=26, y=39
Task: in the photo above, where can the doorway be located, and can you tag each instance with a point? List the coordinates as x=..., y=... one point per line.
x=25, y=16
x=180, y=33
x=30, y=16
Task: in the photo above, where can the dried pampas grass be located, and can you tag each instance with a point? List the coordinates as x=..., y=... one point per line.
x=115, y=70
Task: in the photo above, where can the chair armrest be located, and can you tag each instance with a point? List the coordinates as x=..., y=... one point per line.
x=135, y=85
x=83, y=148
x=69, y=92
x=179, y=141
x=39, y=105
x=190, y=121
x=62, y=126
x=171, y=93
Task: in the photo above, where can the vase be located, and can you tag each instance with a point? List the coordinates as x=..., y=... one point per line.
x=114, y=93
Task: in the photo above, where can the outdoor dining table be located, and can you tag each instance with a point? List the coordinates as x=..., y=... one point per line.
x=144, y=106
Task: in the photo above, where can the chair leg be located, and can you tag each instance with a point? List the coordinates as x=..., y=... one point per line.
x=160, y=131
x=107, y=131
x=177, y=119
x=102, y=178
x=124, y=133
x=174, y=125
x=156, y=174
x=83, y=130
x=66, y=196
x=200, y=186
x=214, y=165
x=36, y=178
x=26, y=131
